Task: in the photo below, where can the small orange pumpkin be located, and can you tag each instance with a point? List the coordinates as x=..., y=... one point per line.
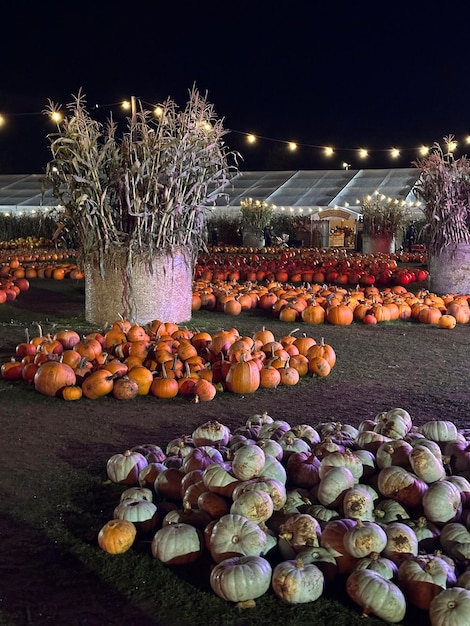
x=117, y=536
x=72, y=392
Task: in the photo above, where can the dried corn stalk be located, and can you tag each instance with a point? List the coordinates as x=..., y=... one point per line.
x=444, y=187
x=144, y=192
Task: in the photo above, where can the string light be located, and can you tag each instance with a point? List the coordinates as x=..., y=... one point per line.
x=251, y=138
x=56, y=117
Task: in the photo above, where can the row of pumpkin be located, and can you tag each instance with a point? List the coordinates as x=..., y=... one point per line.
x=294, y=266
x=316, y=303
x=164, y=360
x=382, y=508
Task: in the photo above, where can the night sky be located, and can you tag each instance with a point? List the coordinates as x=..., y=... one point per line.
x=319, y=73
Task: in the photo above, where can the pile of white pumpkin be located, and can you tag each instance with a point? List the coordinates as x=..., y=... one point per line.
x=291, y=508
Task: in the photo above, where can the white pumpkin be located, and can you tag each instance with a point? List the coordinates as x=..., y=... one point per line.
x=234, y=535
x=342, y=459
x=376, y=595
x=425, y=464
x=380, y=564
x=306, y=432
x=333, y=486
x=395, y=452
x=296, y=582
x=269, y=446
x=451, y=607
x=401, y=485
x=217, y=479
x=273, y=468
x=364, y=539
x=211, y=433
x=421, y=578
x=177, y=544
x=439, y=430
x=142, y=513
x=254, y=504
x=395, y=423
x=455, y=540
x=358, y=504
x=388, y=510
x=402, y=542
x=300, y=530
x=442, y=502
x=125, y=468
x=247, y=462
x=273, y=487
x=241, y=579
x=137, y=493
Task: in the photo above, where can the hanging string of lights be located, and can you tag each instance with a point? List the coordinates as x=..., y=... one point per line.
x=251, y=138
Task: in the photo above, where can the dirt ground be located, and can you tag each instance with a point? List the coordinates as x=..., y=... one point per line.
x=45, y=440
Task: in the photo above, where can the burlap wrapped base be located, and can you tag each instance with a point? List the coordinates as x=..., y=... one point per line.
x=450, y=271
x=139, y=293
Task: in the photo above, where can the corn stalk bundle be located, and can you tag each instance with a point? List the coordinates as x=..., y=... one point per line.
x=144, y=192
x=444, y=187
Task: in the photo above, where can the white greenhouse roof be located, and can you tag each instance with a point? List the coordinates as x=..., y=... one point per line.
x=23, y=193
x=321, y=189
x=300, y=190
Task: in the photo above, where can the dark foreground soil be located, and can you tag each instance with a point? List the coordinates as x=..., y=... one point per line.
x=46, y=443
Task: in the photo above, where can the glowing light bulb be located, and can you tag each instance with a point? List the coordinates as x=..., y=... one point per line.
x=329, y=151
x=158, y=111
x=363, y=153
x=126, y=105
x=395, y=153
x=56, y=116
x=424, y=150
x=2, y=120
x=251, y=139
x=292, y=146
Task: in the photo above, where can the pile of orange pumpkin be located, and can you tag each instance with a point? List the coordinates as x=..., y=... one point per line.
x=381, y=508
x=165, y=361
x=319, y=303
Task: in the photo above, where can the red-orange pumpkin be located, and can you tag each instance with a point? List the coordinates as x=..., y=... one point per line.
x=52, y=376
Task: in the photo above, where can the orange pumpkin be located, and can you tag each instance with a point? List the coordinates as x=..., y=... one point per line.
x=204, y=390
x=164, y=386
x=52, y=376
x=117, y=536
x=339, y=315
x=319, y=366
x=98, y=384
x=124, y=388
x=447, y=321
x=243, y=377
x=72, y=392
